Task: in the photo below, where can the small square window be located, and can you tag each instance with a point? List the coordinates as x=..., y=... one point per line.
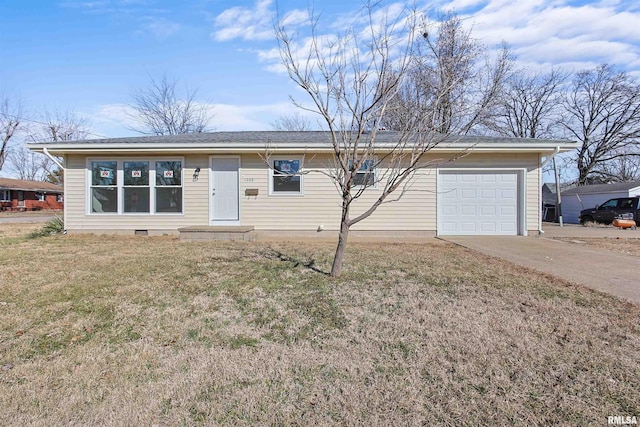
x=285, y=176
x=41, y=197
x=59, y=197
x=366, y=175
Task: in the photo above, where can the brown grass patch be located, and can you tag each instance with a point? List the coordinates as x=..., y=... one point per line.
x=150, y=330
x=620, y=245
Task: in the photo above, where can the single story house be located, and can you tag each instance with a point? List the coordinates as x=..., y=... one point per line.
x=21, y=195
x=159, y=184
x=588, y=196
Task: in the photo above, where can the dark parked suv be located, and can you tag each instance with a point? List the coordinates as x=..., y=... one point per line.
x=609, y=210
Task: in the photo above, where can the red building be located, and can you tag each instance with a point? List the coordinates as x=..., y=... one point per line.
x=18, y=194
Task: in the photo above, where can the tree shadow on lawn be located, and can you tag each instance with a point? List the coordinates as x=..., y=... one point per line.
x=309, y=262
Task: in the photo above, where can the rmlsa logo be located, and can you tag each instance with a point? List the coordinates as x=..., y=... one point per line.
x=619, y=420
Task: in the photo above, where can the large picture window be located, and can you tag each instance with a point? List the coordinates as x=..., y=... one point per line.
x=133, y=186
x=168, y=186
x=5, y=195
x=104, y=187
x=136, y=187
x=285, y=177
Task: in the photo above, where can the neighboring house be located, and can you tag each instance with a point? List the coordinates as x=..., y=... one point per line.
x=159, y=184
x=588, y=196
x=18, y=194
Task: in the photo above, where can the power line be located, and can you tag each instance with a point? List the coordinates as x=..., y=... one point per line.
x=24, y=119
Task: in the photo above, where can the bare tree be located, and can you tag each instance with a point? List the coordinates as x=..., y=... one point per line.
x=50, y=127
x=530, y=105
x=451, y=76
x=26, y=164
x=10, y=121
x=602, y=111
x=623, y=168
x=292, y=122
x=160, y=109
x=351, y=80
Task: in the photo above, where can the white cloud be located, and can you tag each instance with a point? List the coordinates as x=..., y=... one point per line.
x=159, y=27
x=113, y=120
x=254, y=23
x=244, y=23
x=559, y=32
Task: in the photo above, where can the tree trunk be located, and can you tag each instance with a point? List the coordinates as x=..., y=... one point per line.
x=336, y=268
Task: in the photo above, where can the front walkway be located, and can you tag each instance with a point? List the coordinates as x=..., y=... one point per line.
x=602, y=270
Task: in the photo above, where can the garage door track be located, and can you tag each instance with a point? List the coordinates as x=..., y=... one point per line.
x=605, y=271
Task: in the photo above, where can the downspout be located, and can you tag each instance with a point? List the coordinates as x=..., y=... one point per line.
x=542, y=165
x=53, y=159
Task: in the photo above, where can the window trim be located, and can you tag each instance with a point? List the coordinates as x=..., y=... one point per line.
x=374, y=168
x=41, y=196
x=120, y=184
x=272, y=174
x=5, y=195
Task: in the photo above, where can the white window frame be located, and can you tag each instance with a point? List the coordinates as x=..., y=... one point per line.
x=272, y=174
x=41, y=196
x=374, y=172
x=120, y=184
x=59, y=197
x=5, y=195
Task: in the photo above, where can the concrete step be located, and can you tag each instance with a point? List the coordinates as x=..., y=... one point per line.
x=241, y=232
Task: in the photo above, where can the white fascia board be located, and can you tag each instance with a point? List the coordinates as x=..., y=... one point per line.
x=89, y=148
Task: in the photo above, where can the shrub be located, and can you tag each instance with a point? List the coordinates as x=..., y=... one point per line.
x=54, y=226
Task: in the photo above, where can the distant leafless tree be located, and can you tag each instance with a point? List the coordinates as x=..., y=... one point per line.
x=27, y=165
x=161, y=109
x=292, y=122
x=452, y=77
x=621, y=169
x=602, y=112
x=50, y=127
x=530, y=106
x=10, y=122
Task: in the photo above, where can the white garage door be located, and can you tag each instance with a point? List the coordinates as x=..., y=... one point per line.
x=478, y=203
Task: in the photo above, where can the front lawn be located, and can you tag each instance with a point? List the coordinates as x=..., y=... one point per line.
x=106, y=330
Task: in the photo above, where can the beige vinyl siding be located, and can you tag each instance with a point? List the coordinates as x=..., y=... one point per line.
x=195, y=197
x=319, y=204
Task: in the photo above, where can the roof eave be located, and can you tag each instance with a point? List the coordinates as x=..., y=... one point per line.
x=122, y=148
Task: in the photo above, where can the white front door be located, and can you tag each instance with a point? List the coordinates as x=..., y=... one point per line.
x=225, y=187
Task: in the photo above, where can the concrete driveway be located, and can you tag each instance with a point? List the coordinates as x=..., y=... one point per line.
x=605, y=271
x=17, y=218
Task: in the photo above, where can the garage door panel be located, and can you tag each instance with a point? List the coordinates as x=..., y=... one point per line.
x=487, y=210
x=469, y=210
x=478, y=202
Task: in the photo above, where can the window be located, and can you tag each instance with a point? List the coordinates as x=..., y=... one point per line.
x=366, y=174
x=128, y=186
x=40, y=197
x=5, y=195
x=59, y=197
x=609, y=204
x=285, y=177
x=136, y=187
x=169, y=186
x=104, y=187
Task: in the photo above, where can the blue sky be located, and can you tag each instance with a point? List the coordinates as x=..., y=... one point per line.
x=89, y=56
